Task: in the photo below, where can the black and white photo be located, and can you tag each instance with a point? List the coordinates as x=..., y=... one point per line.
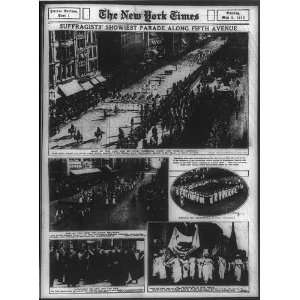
x=96, y=263
x=115, y=193
x=213, y=253
x=149, y=150
x=145, y=90
x=209, y=191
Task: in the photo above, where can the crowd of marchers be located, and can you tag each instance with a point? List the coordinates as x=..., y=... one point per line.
x=201, y=267
x=198, y=110
x=85, y=199
x=104, y=194
x=77, y=266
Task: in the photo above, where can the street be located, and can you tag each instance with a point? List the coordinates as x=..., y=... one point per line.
x=156, y=83
x=126, y=214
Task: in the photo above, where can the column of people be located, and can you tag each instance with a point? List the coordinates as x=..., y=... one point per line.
x=177, y=108
x=205, y=268
x=104, y=194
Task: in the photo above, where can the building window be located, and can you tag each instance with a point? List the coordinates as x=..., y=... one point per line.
x=58, y=50
x=58, y=77
x=72, y=66
x=93, y=65
x=69, y=35
x=64, y=73
x=50, y=54
x=51, y=75
x=72, y=53
x=82, y=70
x=80, y=43
x=69, y=71
x=89, y=38
x=92, y=37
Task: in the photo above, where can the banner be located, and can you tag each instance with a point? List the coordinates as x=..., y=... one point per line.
x=181, y=244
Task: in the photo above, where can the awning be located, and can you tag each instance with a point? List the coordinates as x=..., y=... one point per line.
x=87, y=85
x=100, y=78
x=170, y=67
x=85, y=171
x=94, y=81
x=154, y=51
x=70, y=88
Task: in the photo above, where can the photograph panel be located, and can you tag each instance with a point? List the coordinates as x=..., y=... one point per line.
x=147, y=90
x=203, y=253
x=96, y=263
x=107, y=194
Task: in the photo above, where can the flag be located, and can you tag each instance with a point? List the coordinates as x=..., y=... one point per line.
x=232, y=243
x=182, y=244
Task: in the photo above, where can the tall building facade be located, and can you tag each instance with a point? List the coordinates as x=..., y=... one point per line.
x=73, y=58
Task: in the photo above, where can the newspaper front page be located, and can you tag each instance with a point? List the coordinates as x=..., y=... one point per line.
x=149, y=150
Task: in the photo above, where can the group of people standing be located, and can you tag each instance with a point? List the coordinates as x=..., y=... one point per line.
x=65, y=109
x=190, y=193
x=203, y=269
x=73, y=266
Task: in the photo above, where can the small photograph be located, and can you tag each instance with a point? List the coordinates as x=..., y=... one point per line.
x=198, y=253
x=147, y=90
x=104, y=194
x=209, y=191
x=96, y=263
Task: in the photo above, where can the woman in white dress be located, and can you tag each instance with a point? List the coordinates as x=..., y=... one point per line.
x=176, y=274
x=185, y=268
x=238, y=268
x=208, y=267
x=200, y=262
x=159, y=268
x=222, y=267
x=155, y=265
x=162, y=273
x=192, y=262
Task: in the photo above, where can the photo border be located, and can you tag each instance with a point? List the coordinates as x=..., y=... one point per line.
x=42, y=5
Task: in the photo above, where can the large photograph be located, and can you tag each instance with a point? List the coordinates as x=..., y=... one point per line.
x=147, y=90
x=107, y=194
x=96, y=263
x=198, y=254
